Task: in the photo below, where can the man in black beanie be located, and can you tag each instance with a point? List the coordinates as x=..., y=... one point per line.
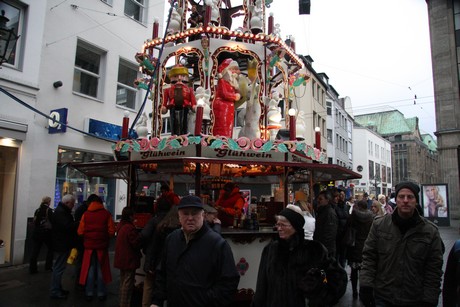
x=402, y=256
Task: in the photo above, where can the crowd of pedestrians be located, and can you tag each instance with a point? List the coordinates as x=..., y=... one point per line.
x=395, y=255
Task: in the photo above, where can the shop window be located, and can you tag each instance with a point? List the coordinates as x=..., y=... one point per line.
x=87, y=74
x=69, y=180
x=126, y=93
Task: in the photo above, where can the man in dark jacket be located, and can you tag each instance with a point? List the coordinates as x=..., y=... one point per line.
x=79, y=211
x=64, y=234
x=326, y=223
x=341, y=210
x=197, y=268
x=402, y=256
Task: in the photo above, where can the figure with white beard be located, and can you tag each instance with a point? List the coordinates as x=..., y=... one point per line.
x=227, y=94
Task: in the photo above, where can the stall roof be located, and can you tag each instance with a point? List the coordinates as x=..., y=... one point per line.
x=120, y=169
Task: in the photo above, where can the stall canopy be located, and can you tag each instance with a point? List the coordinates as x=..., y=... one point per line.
x=183, y=168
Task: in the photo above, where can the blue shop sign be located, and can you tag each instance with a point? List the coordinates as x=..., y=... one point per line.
x=58, y=116
x=105, y=130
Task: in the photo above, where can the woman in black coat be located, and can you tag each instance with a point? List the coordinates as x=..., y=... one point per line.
x=361, y=220
x=293, y=271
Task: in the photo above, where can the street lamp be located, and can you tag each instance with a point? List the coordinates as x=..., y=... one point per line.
x=8, y=39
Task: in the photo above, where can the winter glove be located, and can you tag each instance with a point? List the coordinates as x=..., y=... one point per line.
x=366, y=294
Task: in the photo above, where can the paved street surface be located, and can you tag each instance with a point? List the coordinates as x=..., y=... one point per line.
x=18, y=288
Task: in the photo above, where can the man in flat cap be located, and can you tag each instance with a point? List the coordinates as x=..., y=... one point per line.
x=197, y=267
x=402, y=256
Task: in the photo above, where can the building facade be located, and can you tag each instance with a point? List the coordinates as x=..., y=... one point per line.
x=71, y=63
x=372, y=159
x=445, y=42
x=413, y=160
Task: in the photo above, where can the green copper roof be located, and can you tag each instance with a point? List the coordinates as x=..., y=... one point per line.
x=429, y=141
x=388, y=123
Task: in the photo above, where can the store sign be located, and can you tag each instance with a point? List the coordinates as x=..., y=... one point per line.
x=105, y=130
x=165, y=154
x=58, y=115
x=239, y=155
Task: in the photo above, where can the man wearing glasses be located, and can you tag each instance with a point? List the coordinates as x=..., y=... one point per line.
x=197, y=268
x=402, y=256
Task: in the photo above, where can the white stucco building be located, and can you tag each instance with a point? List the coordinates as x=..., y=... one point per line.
x=76, y=59
x=372, y=159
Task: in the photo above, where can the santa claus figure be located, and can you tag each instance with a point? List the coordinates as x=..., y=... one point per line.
x=179, y=99
x=227, y=94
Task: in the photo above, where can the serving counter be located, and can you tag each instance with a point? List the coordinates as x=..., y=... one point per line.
x=247, y=246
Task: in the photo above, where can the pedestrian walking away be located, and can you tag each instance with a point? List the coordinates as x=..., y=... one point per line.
x=41, y=234
x=96, y=227
x=127, y=255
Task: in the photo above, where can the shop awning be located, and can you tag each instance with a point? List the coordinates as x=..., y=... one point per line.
x=180, y=168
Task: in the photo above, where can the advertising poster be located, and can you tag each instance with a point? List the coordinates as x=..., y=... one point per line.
x=435, y=203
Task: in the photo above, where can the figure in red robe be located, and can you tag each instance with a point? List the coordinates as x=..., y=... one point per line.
x=227, y=94
x=179, y=99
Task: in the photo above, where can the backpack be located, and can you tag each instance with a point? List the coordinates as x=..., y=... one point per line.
x=43, y=222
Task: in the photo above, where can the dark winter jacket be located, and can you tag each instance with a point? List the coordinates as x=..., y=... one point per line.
x=41, y=214
x=155, y=249
x=403, y=269
x=127, y=247
x=200, y=273
x=341, y=210
x=78, y=215
x=283, y=266
x=64, y=229
x=148, y=234
x=450, y=295
x=361, y=220
x=326, y=228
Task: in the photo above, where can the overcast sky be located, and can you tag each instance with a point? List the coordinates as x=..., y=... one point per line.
x=375, y=52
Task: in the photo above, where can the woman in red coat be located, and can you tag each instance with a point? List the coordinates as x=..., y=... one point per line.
x=96, y=227
x=127, y=255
